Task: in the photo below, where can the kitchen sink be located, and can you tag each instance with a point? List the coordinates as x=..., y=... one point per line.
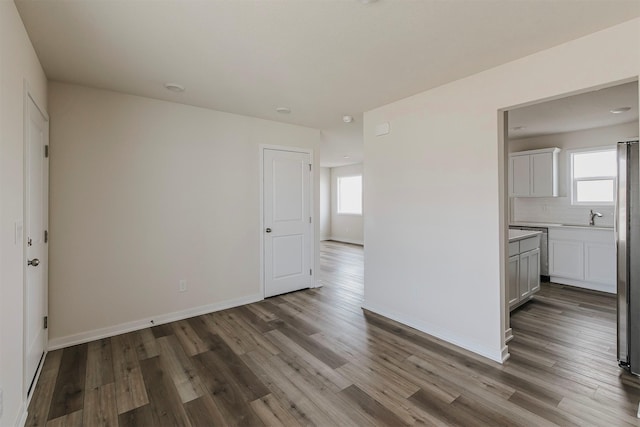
x=597, y=227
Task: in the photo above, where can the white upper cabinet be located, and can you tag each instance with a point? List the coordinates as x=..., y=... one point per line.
x=520, y=175
x=534, y=173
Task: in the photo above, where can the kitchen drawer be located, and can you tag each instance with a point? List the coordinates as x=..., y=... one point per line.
x=514, y=248
x=529, y=244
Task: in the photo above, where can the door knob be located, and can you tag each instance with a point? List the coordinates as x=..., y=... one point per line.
x=34, y=262
x=268, y=230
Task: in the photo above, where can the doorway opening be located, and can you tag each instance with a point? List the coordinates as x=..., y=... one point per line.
x=341, y=204
x=342, y=225
x=560, y=164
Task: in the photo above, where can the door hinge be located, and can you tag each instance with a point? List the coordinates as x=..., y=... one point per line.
x=309, y=220
x=310, y=272
x=309, y=167
x=46, y=151
x=46, y=322
x=46, y=236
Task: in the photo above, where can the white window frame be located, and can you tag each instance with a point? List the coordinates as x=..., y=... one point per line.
x=573, y=182
x=338, y=195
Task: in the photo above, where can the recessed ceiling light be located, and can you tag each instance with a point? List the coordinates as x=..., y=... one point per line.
x=283, y=110
x=620, y=110
x=345, y=157
x=347, y=119
x=518, y=127
x=174, y=87
x=368, y=1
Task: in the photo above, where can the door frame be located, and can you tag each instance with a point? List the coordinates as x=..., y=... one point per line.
x=26, y=382
x=505, y=210
x=312, y=241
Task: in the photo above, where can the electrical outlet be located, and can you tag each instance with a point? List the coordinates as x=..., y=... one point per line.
x=182, y=286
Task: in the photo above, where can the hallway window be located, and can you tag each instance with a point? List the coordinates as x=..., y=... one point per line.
x=350, y=195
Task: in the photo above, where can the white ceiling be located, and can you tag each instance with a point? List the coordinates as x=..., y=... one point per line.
x=321, y=58
x=578, y=112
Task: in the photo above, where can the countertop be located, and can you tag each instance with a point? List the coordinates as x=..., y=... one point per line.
x=515, y=235
x=551, y=225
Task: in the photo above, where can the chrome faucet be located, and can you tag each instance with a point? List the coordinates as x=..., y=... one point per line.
x=593, y=217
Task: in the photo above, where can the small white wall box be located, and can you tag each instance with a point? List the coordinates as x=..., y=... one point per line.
x=383, y=129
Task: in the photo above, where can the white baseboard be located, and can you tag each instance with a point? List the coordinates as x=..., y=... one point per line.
x=494, y=355
x=505, y=353
x=346, y=240
x=21, y=419
x=610, y=289
x=508, y=335
x=135, y=325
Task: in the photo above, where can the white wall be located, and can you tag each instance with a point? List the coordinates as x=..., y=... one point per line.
x=435, y=188
x=559, y=209
x=145, y=193
x=325, y=203
x=345, y=227
x=18, y=63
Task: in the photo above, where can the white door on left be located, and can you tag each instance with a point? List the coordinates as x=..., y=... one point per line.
x=36, y=220
x=287, y=221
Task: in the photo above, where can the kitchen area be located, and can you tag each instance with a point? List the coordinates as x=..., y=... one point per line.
x=582, y=256
x=562, y=177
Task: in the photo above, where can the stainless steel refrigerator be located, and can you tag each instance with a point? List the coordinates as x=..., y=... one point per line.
x=627, y=231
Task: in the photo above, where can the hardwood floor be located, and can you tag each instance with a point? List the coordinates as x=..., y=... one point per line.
x=315, y=358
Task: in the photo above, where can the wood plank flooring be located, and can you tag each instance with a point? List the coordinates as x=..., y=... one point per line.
x=315, y=358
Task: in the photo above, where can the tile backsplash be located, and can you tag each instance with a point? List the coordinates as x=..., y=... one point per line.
x=557, y=210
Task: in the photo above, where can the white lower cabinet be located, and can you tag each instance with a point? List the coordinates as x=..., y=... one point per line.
x=566, y=259
x=524, y=272
x=514, y=280
x=583, y=257
x=533, y=276
x=600, y=263
x=528, y=279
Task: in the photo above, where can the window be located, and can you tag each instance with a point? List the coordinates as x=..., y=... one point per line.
x=593, y=176
x=350, y=195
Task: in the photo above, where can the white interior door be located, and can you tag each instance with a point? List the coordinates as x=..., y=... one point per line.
x=36, y=219
x=287, y=221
